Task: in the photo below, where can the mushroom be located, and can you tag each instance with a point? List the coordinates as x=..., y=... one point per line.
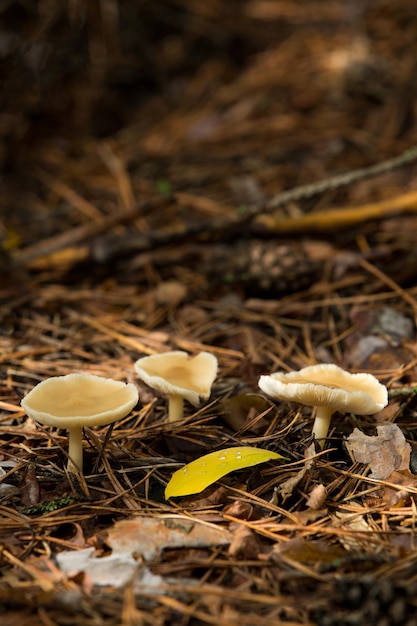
x=179, y=376
x=77, y=400
x=329, y=388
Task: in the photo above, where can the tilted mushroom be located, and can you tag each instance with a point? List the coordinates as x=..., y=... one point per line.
x=77, y=400
x=179, y=376
x=329, y=388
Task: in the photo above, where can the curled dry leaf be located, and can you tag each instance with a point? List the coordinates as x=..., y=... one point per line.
x=114, y=570
x=317, y=497
x=385, y=452
x=245, y=544
x=287, y=487
x=29, y=489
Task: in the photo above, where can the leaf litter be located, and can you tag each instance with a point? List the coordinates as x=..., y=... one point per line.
x=135, y=542
x=145, y=213
x=385, y=452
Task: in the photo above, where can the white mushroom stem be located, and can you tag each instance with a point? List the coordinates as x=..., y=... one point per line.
x=75, y=449
x=322, y=423
x=175, y=407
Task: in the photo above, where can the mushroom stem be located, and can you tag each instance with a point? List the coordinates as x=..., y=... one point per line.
x=322, y=423
x=175, y=407
x=75, y=449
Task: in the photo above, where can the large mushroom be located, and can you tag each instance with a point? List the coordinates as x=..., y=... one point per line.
x=180, y=377
x=77, y=400
x=329, y=388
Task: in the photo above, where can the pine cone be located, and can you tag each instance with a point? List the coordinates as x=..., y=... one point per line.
x=263, y=267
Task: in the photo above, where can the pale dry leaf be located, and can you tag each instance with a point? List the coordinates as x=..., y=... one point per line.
x=360, y=540
x=148, y=536
x=317, y=497
x=385, y=452
x=105, y=571
x=133, y=540
x=116, y=569
x=7, y=490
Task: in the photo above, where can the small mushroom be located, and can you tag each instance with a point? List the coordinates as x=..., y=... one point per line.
x=329, y=388
x=77, y=400
x=179, y=376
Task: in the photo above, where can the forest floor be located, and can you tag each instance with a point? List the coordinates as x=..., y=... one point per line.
x=145, y=152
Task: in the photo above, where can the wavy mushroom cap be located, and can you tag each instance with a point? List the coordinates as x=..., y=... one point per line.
x=178, y=373
x=80, y=400
x=329, y=386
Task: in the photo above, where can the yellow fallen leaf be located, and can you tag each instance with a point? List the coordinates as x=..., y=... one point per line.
x=199, y=474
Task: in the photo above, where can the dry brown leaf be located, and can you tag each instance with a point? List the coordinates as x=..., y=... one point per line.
x=29, y=489
x=132, y=540
x=389, y=412
x=317, y=497
x=287, y=487
x=149, y=536
x=239, y=509
x=309, y=515
x=399, y=497
x=303, y=551
x=385, y=452
x=245, y=544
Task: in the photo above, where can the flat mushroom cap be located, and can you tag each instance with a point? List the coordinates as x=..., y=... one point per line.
x=330, y=386
x=79, y=400
x=178, y=373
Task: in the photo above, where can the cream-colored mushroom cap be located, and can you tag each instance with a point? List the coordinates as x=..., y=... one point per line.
x=78, y=400
x=178, y=373
x=328, y=388
x=327, y=385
